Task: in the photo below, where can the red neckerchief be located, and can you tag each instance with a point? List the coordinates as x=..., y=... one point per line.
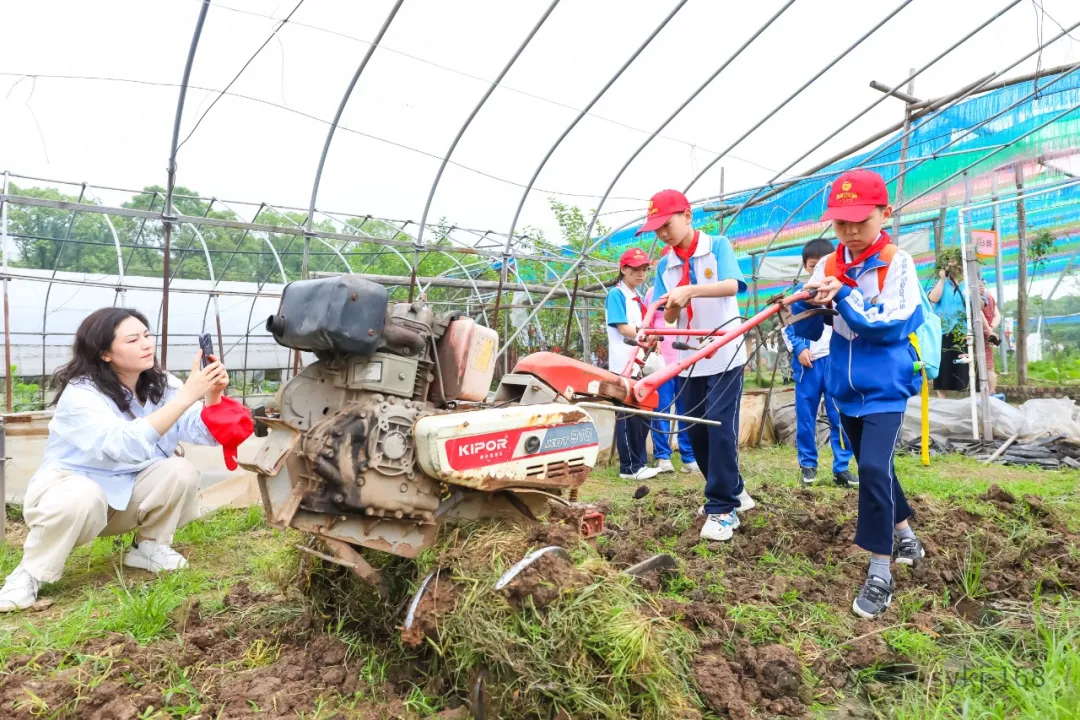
x=685, y=256
x=638, y=300
x=842, y=267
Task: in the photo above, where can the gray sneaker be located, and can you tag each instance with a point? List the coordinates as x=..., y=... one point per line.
x=846, y=479
x=909, y=551
x=873, y=599
x=808, y=474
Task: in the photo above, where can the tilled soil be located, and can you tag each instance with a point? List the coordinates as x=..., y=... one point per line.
x=798, y=545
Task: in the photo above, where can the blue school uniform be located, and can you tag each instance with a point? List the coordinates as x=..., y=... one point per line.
x=809, y=392
x=871, y=376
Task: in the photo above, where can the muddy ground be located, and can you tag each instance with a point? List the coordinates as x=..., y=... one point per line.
x=794, y=550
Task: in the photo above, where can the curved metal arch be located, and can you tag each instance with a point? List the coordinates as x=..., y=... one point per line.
x=170, y=183
x=797, y=92
x=472, y=281
x=465, y=126
x=360, y=239
x=334, y=124
x=121, y=292
x=569, y=128
x=48, y=288
x=586, y=247
x=877, y=102
x=308, y=234
x=584, y=111
x=559, y=281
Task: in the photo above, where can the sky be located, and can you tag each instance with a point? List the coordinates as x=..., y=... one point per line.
x=436, y=61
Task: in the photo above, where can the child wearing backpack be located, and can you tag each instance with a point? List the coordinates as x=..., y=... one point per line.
x=874, y=367
x=810, y=368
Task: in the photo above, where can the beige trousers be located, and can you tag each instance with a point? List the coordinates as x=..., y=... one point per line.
x=64, y=510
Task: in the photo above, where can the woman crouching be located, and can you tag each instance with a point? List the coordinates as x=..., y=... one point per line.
x=109, y=464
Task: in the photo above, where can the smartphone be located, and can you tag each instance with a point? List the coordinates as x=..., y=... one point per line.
x=207, y=347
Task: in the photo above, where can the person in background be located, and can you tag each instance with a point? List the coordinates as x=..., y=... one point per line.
x=670, y=402
x=992, y=318
x=625, y=311
x=874, y=288
x=948, y=297
x=810, y=368
x=700, y=278
x=109, y=464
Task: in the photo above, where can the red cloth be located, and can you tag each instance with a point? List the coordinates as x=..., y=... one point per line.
x=231, y=424
x=842, y=267
x=685, y=255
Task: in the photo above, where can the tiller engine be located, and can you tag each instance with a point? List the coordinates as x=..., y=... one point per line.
x=394, y=429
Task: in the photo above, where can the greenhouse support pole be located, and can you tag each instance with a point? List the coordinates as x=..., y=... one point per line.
x=977, y=319
x=999, y=273
x=969, y=319
x=904, y=145
x=7, y=326
x=166, y=215
x=1021, y=279
x=3, y=484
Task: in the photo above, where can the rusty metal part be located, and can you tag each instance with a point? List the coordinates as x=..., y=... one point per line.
x=516, y=502
x=660, y=562
x=520, y=565
x=348, y=554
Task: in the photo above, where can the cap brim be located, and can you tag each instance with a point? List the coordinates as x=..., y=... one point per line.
x=636, y=263
x=849, y=213
x=230, y=457
x=654, y=223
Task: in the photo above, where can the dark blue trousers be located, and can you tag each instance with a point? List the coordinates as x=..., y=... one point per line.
x=881, y=499
x=661, y=437
x=630, y=434
x=716, y=397
x=809, y=391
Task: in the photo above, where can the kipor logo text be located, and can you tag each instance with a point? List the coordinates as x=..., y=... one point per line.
x=482, y=446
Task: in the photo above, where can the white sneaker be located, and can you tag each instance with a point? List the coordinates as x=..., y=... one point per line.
x=720, y=527
x=19, y=592
x=645, y=473
x=154, y=556
x=691, y=467
x=745, y=503
x=664, y=466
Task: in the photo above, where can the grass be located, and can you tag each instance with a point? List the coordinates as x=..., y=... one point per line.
x=601, y=651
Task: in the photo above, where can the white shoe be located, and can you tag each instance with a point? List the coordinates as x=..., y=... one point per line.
x=154, y=556
x=664, y=466
x=720, y=527
x=691, y=467
x=645, y=473
x=745, y=503
x=19, y=592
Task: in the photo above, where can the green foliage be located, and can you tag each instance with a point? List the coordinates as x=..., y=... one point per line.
x=1039, y=249
x=24, y=396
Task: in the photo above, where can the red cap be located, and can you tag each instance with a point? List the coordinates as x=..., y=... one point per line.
x=855, y=194
x=231, y=424
x=663, y=205
x=634, y=257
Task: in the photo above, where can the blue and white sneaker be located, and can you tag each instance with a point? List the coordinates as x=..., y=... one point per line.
x=720, y=527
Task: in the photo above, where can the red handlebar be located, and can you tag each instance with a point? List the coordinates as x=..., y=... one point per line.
x=716, y=339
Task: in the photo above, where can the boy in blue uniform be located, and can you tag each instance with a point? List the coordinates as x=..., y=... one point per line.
x=625, y=311
x=810, y=366
x=876, y=292
x=700, y=277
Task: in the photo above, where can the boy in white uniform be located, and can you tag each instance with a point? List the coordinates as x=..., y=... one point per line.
x=700, y=277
